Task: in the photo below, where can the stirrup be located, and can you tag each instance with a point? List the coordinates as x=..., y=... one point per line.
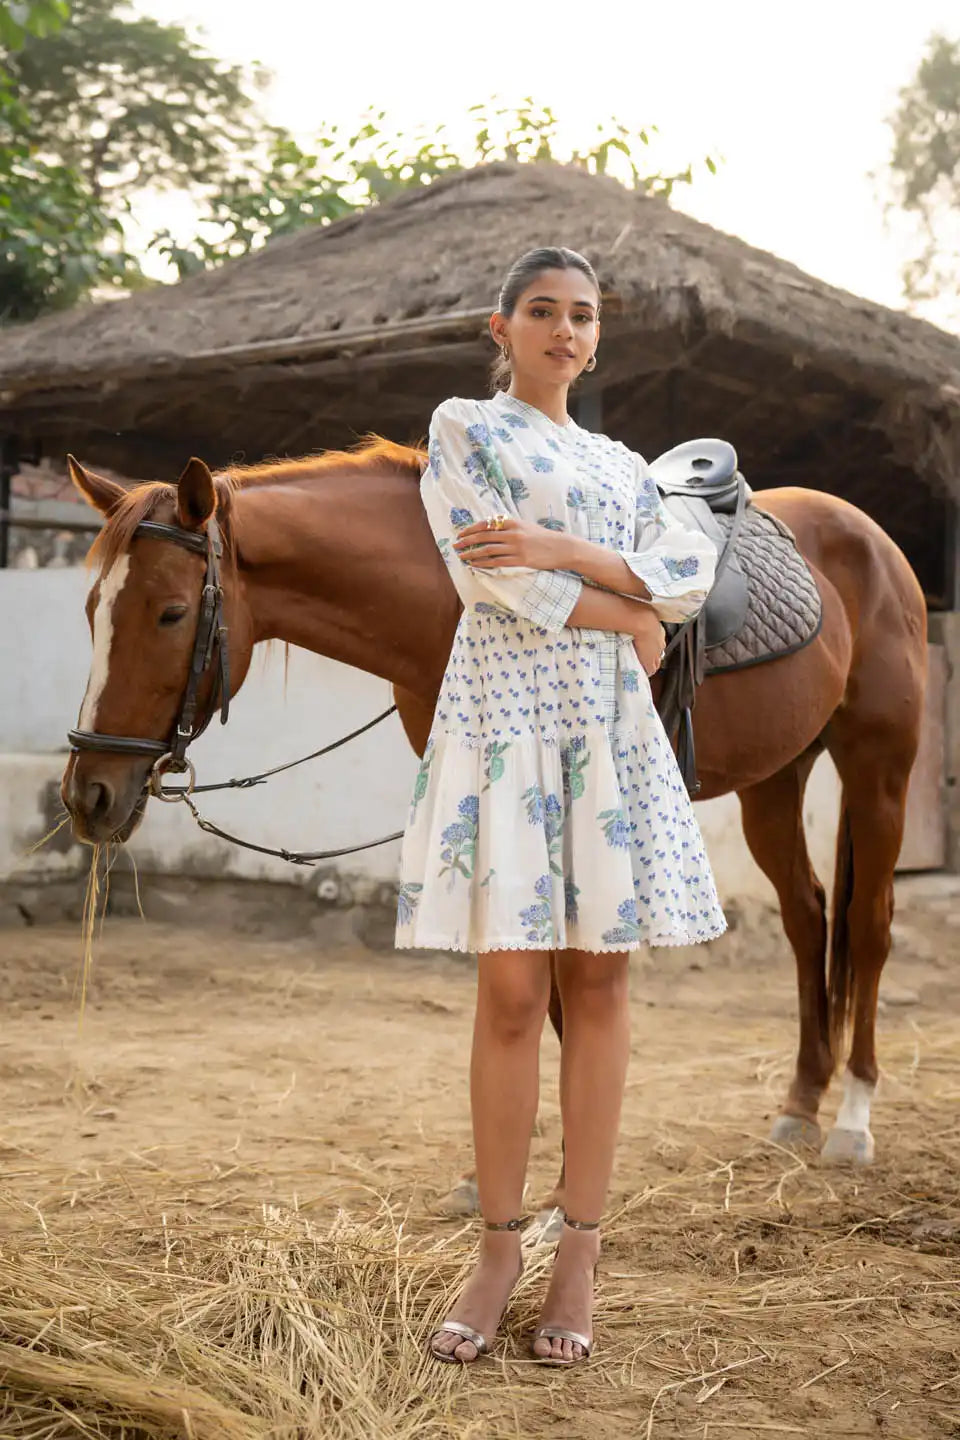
x=580, y=1225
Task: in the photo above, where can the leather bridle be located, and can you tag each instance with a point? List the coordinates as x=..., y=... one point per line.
x=209, y=648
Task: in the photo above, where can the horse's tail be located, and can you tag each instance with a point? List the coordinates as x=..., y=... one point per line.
x=840, y=982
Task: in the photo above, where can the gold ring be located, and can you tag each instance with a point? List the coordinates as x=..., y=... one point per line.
x=499, y=521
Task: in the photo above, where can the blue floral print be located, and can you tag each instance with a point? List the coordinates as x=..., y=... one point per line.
x=574, y=759
x=422, y=780
x=615, y=828
x=681, y=569
x=548, y=791
x=407, y=899
x=628, y=932
x=533, y=799
x=459, y=840
x=494, y=763
x=536, y=918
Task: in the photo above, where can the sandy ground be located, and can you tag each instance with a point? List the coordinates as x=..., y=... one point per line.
x=743, y=1291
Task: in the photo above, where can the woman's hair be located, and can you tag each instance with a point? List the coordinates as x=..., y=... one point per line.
x=522, y=273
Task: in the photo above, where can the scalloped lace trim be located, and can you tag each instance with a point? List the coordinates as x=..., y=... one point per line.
x=660, y=942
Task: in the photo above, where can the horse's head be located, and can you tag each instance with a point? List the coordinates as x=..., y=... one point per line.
x=143, y=611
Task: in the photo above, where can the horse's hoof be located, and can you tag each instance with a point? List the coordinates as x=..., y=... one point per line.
x=848, y=1147
x=794, y=1132
x=463, y=1199
x=545, y=1228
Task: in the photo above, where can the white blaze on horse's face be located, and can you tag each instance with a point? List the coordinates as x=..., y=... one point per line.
x=110, y=587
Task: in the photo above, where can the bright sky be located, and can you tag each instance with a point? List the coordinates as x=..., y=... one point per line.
x=792, y=98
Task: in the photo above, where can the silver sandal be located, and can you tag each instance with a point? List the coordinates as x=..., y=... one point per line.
x=457, y=1327
x=557, y=1332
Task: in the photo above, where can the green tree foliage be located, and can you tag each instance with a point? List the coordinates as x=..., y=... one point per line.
x=19, y=19
x=925, y=168
x=97, y=104
x=346, y=170
x=127, y=101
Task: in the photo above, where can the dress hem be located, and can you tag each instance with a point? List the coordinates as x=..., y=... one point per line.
x=658, y=943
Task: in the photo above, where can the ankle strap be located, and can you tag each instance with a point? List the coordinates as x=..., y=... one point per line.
x=502, y=1224
x=581, y=1224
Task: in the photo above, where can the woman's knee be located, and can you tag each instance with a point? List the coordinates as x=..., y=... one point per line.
x=593, y=984
x=513, y=996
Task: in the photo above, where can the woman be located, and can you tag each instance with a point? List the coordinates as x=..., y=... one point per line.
x=549, y=813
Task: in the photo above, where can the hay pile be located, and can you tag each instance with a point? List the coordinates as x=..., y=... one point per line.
x=735, y=1300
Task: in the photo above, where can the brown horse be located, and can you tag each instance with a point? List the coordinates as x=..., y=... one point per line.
x=334, y=554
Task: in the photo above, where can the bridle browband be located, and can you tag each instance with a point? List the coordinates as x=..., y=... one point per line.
x=209, y=647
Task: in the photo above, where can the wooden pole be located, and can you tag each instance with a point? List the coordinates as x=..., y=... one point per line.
x=9, y=465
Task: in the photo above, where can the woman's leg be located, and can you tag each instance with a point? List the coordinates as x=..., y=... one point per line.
x=593, y=1068
x=513, y=990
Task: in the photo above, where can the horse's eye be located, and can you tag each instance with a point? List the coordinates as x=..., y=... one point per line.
x=173, y=614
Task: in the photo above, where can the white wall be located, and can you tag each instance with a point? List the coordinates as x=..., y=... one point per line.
x=354, y=795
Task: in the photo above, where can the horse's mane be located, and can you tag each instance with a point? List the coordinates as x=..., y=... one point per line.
x=372, y=453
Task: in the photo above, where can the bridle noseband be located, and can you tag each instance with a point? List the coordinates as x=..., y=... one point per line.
x=209, y=646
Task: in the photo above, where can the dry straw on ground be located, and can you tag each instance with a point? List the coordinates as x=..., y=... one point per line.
x=735, y=1299
x=743, y=1291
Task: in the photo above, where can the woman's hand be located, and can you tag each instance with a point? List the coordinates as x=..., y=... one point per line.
x=513, y=542
x=649, y=640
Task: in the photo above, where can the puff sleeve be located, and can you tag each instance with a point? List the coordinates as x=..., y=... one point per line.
x=464, y=482
x=675, y=563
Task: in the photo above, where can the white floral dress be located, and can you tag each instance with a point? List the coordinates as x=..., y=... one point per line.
x=549, y=812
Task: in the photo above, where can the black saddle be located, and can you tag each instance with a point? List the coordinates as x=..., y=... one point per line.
x=699, y=480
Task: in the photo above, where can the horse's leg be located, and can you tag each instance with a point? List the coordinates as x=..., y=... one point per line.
x=875, y=771
x=773, y=827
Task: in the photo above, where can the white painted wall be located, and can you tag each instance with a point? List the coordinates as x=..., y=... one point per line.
x=352, y=796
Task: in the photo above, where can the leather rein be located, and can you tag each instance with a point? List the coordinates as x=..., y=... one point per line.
x=210, y=647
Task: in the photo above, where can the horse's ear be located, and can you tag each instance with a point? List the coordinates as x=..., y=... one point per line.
x=103, y=494
x=196, y=495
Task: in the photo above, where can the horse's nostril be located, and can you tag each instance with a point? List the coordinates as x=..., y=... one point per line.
x=98, y=799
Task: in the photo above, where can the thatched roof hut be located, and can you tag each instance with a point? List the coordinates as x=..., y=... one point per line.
x=368, y=323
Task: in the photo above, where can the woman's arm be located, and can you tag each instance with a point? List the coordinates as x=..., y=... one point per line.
x=670, y=567
x=601, y=610
x=464, y=487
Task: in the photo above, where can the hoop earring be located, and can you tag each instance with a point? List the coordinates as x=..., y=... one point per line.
x=505, y=352
x=591, y=364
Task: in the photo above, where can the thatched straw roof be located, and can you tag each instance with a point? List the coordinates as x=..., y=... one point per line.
x=369, y=322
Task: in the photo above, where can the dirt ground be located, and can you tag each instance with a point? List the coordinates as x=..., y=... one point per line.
x=218, y=1078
